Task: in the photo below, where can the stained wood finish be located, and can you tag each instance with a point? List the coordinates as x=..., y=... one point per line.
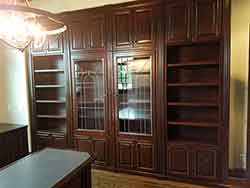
x=207, y=24
x=73, y=166
x=135, y=151
x=15, y=136
x=134, y=27
x=178, y=17
x=53, y=44
x=122, y=23
x=88, y=34
x=193, y=21
x=92, y=139
x=179, y=160
x=49, y=88
x=205, y=163
x=187, y=41
x=144, y=26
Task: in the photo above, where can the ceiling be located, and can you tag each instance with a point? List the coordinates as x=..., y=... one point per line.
x=69, y=5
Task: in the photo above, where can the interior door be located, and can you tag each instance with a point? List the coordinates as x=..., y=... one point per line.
x=133, y=98
x=90, y=108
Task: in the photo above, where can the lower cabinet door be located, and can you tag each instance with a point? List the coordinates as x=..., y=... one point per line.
x=83, y=144
x=100, y=151
x=126, y=154
x=59, y=142
x=43, y=141
x=179, y=161
x=205, y=160
x=95, y=147
x=145, y=157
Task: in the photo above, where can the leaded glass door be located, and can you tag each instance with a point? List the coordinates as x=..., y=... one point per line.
x=90, y=108
x=134, y=95
x=133, y=85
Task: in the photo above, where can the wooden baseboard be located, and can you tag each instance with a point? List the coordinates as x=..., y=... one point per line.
x=238, y=173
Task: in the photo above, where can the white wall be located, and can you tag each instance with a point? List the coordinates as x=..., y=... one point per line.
x=13, y=87
x=14, y=106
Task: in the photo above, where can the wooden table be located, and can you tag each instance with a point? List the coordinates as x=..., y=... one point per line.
x=13, y=143
x=49, y=168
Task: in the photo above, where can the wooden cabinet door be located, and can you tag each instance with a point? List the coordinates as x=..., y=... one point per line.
x=88, y=34
x=59, y=142
x=145, y=157
x=126, y=154
x=97, y=33
x=90, y=105
x=143, y=26
x=78, y=36
x=43, y=141
x=95, y=147
x=178, y=21
x=122, y=29
x=55, y=43
x=100, y=151
x=52, y=44
x=205, y=163
x=84, y=144
x=179, y=160
x=207, y=19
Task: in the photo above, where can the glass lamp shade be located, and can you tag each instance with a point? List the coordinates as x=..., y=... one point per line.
x=22, y=25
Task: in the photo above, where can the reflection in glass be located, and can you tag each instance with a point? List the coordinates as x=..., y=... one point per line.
x=89, y=86
x=134, y=94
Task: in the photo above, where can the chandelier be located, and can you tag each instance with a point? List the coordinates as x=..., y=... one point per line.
x=21, y=25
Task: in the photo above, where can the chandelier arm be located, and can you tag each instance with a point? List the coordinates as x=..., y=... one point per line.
x=27, y=3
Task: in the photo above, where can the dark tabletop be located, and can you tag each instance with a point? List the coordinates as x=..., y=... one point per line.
x=43, y=169
x=5, y=127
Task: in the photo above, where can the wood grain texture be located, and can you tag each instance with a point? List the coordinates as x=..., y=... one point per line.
x=187, y=41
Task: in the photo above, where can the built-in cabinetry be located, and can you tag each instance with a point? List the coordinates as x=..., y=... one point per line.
x=133, y=98
x=194, y=108
x=133, y=26
x=193, y=21
x=49, y=91
x=142, y=86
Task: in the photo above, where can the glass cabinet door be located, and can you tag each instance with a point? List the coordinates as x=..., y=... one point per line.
x=134, y=95
x=89, y=95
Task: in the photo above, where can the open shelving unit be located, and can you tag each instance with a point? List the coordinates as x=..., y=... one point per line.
x=49, y=85
x=193, y=97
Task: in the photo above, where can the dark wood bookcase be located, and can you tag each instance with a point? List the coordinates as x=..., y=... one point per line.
x=49, y=89
x=142, y=86
x=193, y=105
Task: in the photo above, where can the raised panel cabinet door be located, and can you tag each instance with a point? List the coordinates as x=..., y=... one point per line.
x=122, y=29
x=178, y=160
x=126, y=154
x=145, y=157
x=55, y=43
x=43, y=141
x=100, y=151
x=84, y=145
x=97, y=33
x=143, y=26
x=59, y=142
x=205, y=163
x=207, y=23
x=178, y=22
x=79, y=36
